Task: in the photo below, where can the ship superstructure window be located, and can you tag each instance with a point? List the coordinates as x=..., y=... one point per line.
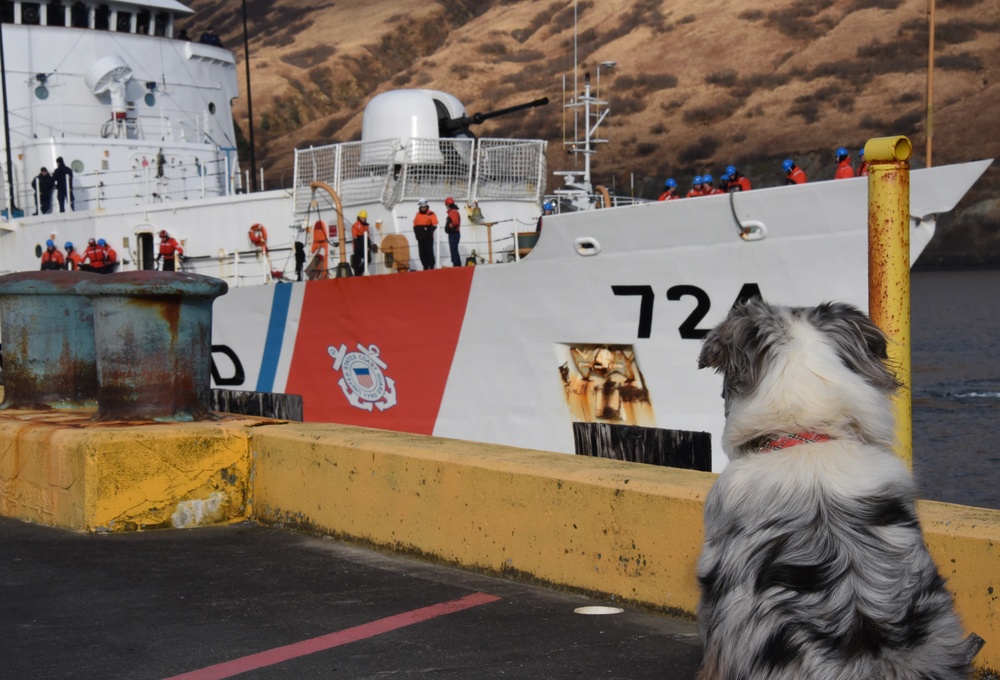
x=161, y=23
x=55, y=14
x=79, y=15
x=142, y=20
x=31, y=13
x=123, y=24
x=102, y=18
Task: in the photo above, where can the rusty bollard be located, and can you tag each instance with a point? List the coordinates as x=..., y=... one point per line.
x=48, y=341
x=154, y=344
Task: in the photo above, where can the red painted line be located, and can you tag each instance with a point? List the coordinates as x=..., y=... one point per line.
x=343, y=637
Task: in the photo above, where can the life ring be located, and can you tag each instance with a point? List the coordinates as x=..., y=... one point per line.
x=258, y=236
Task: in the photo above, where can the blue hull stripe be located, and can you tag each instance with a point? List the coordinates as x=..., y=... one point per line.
x=275, y=334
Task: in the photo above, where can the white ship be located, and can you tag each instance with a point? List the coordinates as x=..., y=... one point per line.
x=564, y=339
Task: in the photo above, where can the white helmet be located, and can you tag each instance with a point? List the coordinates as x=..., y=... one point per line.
x=422, y=202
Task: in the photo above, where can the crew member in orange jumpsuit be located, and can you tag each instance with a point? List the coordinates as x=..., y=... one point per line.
x=669, y=191
x=73, y=258
x=424, y=225
x=170, y=250
x=52, y=258
x=793, y=173
x=452, y=224
x=737, y=182
x=695, y=188
x=844, y=168
x=110, y=256
x=93, y=258
x=863, y=168
x=358, y=231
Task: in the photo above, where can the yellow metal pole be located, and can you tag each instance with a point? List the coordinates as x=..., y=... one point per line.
x=889, y=267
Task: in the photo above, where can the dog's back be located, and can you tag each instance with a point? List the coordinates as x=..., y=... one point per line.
x=814, y=565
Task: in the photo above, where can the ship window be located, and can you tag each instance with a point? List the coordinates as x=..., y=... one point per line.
x=102, y=18
x=7, y=12
x=79, y=15
x=211, y=108
x=31, y=13
x=160, y=25
x=55, y=14
x=124, y=23
x=142, y=21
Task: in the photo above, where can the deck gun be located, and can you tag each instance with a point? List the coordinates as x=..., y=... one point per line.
x=454, y=127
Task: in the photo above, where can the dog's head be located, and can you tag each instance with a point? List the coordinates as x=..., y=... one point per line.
x=801, y=369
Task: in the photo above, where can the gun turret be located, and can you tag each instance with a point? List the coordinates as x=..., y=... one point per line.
x=451, y=126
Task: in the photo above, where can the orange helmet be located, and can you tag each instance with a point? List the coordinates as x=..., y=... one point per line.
x=449, y=201
x=163, y=233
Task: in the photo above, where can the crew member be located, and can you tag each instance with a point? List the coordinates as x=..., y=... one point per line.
x=844, y=169
x=63, y=178
x=695, y=188
x=43, y=185
x=669, y=190
x=452, y=224
x=52, y=258
x=73, y=258
x=793, y=173
x=737, y=182
x=424, y=225
x=863, y=168
x=358, y=231
x=93, y=258
x=110, y=256
x=170, y=250
x=707, y=188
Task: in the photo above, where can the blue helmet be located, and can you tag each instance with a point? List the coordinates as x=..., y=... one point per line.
x=548, y=205
x=697, y=180
x=841, y=152
x=706, y=179
x=50, y=244
x=788, y=165
x=730, y=170
x=69, y=245
x=725, y=178
x=861, y=152
x=101, y=242
x=670, y=183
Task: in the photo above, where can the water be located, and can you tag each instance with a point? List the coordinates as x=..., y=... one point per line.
x=955, y=327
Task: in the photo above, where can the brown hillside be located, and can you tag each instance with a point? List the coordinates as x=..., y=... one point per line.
x=693, y=90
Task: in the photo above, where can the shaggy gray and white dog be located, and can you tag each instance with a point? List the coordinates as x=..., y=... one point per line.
x=814, y=565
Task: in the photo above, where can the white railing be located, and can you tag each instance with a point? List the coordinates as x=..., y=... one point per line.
x=385, y=172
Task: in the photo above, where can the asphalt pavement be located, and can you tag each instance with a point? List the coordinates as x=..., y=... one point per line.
x=258, y=602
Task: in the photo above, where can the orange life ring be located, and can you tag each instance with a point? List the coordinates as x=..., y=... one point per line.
x=258, y=235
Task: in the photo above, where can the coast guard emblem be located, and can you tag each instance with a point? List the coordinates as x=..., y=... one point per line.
x=361, y=377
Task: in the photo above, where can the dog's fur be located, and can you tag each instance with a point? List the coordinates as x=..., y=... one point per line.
x=814, y=565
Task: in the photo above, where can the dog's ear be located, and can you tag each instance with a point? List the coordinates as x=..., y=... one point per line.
x=862, y=345
x=731, y=348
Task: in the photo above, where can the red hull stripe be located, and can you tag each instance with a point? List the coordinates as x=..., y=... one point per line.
x=377, y=351
x=343, y=637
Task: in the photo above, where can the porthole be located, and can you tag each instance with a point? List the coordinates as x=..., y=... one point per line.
x=150, y=99
x=211, y=108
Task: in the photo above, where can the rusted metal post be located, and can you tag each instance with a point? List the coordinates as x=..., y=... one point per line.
x=889, y=267
x=49, y=359
x=154, y=344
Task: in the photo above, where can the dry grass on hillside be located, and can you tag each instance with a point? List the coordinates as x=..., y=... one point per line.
x=738, y=82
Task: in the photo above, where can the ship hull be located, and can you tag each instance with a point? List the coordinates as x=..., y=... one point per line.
x=601, y=323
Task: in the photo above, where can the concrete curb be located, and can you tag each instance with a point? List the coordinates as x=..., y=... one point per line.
x=618, y=529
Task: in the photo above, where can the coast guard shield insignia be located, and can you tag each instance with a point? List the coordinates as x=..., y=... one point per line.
x=361, y=377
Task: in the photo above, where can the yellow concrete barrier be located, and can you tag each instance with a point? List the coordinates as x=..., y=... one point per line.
x=614, y=529
x=57, y=468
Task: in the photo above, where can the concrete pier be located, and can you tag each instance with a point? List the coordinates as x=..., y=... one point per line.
x=615, y=530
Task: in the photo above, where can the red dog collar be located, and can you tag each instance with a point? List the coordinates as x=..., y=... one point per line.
x=787, y=440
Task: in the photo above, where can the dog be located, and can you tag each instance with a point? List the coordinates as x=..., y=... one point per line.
x=814, y=565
